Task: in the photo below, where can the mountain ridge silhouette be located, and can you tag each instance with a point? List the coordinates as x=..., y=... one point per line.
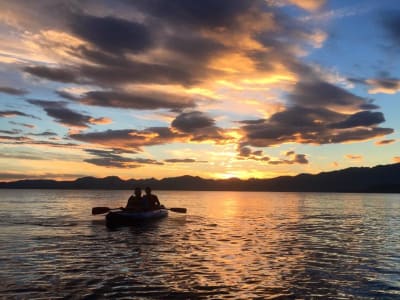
x=378, y=179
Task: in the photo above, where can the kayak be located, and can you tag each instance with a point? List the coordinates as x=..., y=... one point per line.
x=123, y=218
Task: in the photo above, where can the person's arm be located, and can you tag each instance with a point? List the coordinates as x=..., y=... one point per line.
x=156, y=201
x=130, y=202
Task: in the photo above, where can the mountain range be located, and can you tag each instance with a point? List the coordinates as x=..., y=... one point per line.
x=378, y=179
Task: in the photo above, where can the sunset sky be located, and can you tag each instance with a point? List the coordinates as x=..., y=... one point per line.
x=210, y=88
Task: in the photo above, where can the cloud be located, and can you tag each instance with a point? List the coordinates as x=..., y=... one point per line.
x=308, y=4
x=12, y=91
x=246, y=153
x=129, y=139
x=25, y=140
x=137, y=100
x=100, y=121
x=186, y=127
x=14, y=113
x=383, y=85
x=183, y=160
x=199, y=126
x=13, y=131
x=391, y=22
x=22, y=124
x=385, y=142
x=396, y=159
x=296, y=159
x=192, y=121
x=323, y=94
x=59, y=111
x=354, y=157
x=308, y=126
x=112, y=34
x=209, y=14
x=54, y=73
x=112, y=159
x=362, y=118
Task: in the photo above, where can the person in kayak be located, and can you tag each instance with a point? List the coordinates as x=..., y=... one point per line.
x=151, y=199
x=136, y=202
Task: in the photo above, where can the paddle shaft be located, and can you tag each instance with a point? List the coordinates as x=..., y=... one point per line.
x=102, y=210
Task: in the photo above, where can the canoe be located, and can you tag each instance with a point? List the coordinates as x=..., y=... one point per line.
x=123, y=218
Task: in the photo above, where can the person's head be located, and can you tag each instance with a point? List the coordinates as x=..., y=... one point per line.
x=148, y=190
x=138, y=191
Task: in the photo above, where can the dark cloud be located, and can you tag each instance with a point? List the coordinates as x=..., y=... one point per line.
x=391, y=22
x=5, y=139
x=194, y=47
x=294, y=159
x=193, y=13
x=12, y=91
x=385, y=142
x=313, y=126
x=289, y=153
x=66, y=95
x=130, y=139
x=112, y=34
x=44, y=133
x=134, y=140
x=114, y=159
x=13, y=131
x=323, y=94
x=22, y=124
x=318, y=114
x=140, y=72
x=14, y=113
x=246, y=153
x=183, y=160
x=60, y=74
x=137, y=100
x=362, y=118
x=26, y=141
x=192, y=121
x=387, y=83
x=59, y=111
x=199, y=126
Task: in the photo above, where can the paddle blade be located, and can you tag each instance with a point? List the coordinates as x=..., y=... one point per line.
x=100, y=210
x=178, y=210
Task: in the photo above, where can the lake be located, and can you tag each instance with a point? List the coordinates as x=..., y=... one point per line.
x=229, y=245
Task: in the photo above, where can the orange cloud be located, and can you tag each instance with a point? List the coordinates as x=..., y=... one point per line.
x=396, y=159
x=354, y=157
x=308, y=4
x=100, y=121
x=385, y=142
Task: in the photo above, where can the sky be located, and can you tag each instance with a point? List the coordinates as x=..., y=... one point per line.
x=211, y=88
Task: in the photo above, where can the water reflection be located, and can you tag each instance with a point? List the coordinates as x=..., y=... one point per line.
x=229, y=245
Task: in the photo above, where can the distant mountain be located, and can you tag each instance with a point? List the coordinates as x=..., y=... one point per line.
x=379, y=179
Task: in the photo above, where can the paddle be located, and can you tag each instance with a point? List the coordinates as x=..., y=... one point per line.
x=102, y=210
x=178, y=210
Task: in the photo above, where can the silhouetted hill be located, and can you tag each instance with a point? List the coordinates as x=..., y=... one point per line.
x=379, y=179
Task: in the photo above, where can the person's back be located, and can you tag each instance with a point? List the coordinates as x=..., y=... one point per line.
x=136, y=202
x=151, y=199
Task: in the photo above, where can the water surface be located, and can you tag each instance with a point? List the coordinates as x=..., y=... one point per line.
x=230, y=245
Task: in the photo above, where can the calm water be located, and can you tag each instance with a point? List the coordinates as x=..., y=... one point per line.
x=237, y=245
